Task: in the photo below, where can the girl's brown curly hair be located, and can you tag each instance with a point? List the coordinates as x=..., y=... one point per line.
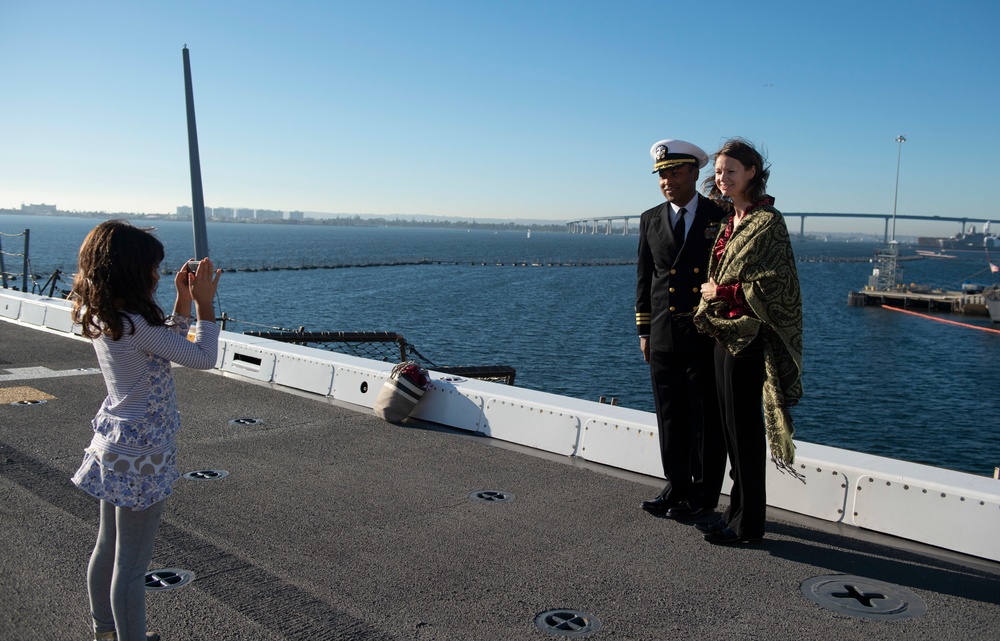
x=115, y=275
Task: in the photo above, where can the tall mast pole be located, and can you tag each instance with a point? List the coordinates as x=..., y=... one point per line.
x=895, y=198
x=197, y=197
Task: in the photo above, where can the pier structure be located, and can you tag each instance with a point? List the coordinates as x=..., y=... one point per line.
x=931, y=300
x=885, y=287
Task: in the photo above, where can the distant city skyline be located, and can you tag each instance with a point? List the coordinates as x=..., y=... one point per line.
x=184, y=212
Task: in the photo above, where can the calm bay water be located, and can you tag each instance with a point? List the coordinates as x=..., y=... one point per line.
x=876, y=380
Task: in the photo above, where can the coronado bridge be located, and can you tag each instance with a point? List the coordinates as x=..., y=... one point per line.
x=620, y=224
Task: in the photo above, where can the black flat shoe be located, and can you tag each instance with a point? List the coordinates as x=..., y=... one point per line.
x=685, y=512
x=658, y=506
x=711, y=526
x=728, y=536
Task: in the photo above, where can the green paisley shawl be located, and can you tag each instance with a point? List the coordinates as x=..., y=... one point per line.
x=759, y=256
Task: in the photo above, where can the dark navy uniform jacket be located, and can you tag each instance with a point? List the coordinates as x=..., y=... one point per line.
x=670, y=276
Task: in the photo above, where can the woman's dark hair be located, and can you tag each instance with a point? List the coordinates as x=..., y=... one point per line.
x=744, y=152
x=114, y=276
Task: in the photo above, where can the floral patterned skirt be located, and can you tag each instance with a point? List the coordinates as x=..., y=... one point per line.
x=133, y=481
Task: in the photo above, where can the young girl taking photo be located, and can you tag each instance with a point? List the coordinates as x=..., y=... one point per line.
x=131, y=463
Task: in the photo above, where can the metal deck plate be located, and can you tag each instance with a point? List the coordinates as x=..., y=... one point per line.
x=167, y=579
x=206, y=475
x=861, y=597
x=567, y=623
x=491, y=496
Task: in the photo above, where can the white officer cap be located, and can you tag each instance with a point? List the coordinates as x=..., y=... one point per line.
x=670, y=153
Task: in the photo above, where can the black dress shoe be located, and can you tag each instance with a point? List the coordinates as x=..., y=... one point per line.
x=684, y=512
x=711, y=526
x=658, y=506
x=728, y=536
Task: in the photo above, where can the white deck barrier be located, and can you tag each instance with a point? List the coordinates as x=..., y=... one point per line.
x=944, y=508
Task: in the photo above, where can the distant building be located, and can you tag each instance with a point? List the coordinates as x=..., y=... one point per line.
x=296, y=215
x=45, y=210
x=269, y=214
x=224, y=213
x=185, y=212
x=244, y=214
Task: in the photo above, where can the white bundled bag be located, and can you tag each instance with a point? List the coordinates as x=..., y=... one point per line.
x=401, y=393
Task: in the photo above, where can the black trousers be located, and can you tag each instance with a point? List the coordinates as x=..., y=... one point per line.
x=692, y=446
x=740, y=381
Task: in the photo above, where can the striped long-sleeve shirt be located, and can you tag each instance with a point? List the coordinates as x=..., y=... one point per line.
x=132, y=458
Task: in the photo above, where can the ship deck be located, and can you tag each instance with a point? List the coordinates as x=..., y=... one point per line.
x=333, y=524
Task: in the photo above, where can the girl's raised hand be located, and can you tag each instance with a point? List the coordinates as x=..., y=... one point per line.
x=183, y=288
x=202, y=284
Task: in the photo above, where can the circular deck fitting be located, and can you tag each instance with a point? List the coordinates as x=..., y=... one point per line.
x=32, y=402
x=245, y=421
x=206, y=475
x=861, y=597
x=491, y=496
x=567, y=623
x=167, y=579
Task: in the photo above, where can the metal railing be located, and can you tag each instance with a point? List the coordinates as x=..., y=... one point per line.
x=4, y=274
x=387, y=347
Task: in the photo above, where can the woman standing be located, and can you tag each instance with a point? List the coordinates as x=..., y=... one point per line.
x=131, y=462
x=752, y=306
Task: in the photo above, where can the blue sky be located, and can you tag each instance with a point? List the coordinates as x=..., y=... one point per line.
x=515, y=110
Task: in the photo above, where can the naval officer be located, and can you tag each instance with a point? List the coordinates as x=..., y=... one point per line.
x=675, y=240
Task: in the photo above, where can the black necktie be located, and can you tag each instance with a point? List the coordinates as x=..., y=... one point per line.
x=679, y=227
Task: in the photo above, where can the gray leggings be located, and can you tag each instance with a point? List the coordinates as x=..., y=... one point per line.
x=116, y=576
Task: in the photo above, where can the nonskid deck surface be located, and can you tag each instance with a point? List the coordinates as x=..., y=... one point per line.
x=332, y=524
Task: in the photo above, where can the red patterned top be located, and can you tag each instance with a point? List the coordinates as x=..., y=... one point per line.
x=732, y=293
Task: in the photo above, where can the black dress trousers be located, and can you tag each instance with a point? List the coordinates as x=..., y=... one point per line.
x=740, y=380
